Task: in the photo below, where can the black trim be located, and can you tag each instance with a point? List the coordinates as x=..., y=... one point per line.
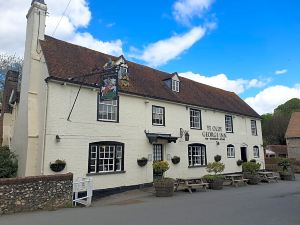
x=194, y=128
x=197, y=144
x=198, y=166
x=118, y=110
x=105, y=173
x=231, y=124
x=115, y=143
x=150, y=96
x=164, y=115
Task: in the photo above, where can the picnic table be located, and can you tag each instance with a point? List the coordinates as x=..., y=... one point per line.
x=236, y=179
x=190, y=183
x=268, y=176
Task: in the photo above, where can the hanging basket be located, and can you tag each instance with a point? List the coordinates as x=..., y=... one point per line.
x=175, y=160
x=58, y=166
x=142, y=161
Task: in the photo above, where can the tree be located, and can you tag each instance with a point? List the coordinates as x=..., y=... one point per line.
x=8, y=163
x=274, y=125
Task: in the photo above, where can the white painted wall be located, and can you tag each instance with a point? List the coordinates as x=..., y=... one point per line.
x=135, y=117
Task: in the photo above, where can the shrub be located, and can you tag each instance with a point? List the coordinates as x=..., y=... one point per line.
x=8, y=163
x=251, y=167
x=211, y=178
x=285, y=164
x=160, y=166
x=218, y=158
x=215, y=167
x=239, y=162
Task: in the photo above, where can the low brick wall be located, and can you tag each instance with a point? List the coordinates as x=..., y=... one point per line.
x=35, y=193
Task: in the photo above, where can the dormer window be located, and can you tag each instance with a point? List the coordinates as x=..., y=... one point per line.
x=175, y=85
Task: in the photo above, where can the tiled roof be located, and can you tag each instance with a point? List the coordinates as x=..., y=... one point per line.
x=293, y=129
x=66, y=61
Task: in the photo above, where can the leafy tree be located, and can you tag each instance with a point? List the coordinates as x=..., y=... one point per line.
x=8, y=163
x=274, y=125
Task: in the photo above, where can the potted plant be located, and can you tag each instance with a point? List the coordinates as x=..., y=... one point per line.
x=175, y=159
x=58, y=165
x=217, y=158
x=286, y=172
x=164, y=187
x=142, y=161
x=215, y=180
x=239, y=162
x=250, y=171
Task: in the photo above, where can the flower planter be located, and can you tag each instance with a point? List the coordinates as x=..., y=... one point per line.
x=216, y=184
x=57, y=167
x=253, y=178
x=287, y=176
x=142, y=162
x=175, y=160
x=164, y=187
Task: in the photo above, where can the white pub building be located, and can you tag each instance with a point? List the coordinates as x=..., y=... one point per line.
x=101, y=113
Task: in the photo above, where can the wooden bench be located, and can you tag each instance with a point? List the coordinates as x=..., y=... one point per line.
x=243, y=181
x=190, y=183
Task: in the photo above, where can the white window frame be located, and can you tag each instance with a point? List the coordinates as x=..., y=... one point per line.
x=158, y=114
x=255, y=151
x=197, y=155
x=108, y=110
x=175, y=85
x=195, y=124
x=230, y=151
x=228, y=124
x=253, y=128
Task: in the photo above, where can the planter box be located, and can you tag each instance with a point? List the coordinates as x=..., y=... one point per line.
x=216, y=184
x=164, y=188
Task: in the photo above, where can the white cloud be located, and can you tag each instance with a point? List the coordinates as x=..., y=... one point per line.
x=222, y=81
x=78, y=15
x=185, y=10
x=162, y=51
x=279, y=72
x=268, y=99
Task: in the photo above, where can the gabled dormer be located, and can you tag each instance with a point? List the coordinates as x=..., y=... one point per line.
x=173, y=82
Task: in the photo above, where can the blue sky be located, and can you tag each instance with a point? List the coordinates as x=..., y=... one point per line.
x=250, y=47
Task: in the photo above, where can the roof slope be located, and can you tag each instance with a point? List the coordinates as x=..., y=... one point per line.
x=65, y=61
x=293, y=129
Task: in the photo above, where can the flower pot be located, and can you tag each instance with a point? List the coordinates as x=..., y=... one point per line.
x=287, y=176
x=175, y=160
x=57, y=167
x=142, y=162
x=164, y=187
x=216, y=184
x=253, y=178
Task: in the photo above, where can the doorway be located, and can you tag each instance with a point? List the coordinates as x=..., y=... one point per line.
x=244, y=154
x=157, y=156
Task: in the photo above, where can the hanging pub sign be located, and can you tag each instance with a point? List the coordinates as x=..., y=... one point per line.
x=214, y=133
x=109, y=86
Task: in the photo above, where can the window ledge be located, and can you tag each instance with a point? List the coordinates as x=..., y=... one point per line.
x=195, y=128
x=196, y=166
x=230, y=157
x=105, y=173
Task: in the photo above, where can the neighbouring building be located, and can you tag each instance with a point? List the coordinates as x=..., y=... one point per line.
x=64, y=114
x=276, y=151
x=292, y=136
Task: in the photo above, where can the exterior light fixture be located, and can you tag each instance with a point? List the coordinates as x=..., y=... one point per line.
x=186, y=136
x=57, y=138
x=217, y=142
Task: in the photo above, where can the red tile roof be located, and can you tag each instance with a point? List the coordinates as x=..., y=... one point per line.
x=293, y=129
x=65, y=61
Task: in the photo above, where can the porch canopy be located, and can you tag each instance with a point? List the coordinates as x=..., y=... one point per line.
x=154, y=137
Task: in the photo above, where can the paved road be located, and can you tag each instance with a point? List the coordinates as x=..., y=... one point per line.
x=264, y=204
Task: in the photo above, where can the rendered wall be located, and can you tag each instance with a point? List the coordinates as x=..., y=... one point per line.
x=135, y=117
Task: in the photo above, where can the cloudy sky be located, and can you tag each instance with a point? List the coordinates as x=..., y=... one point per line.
x=250, y=47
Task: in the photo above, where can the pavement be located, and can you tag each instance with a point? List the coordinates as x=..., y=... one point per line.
x=263, y=204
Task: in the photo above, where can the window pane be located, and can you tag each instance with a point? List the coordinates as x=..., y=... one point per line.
x=108, y=110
